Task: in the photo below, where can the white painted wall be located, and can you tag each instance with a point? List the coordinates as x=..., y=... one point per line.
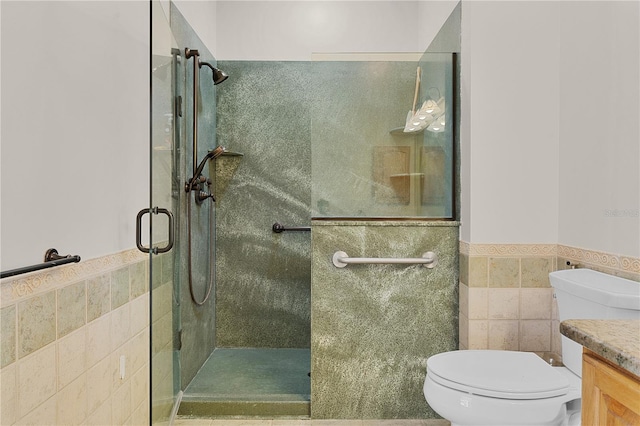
x=537, y=168
x=599, y=127
x=203, y=17
x=431, y=15
x=550, y=139
x=292, y=31
x=75, y=101
x=510, y=123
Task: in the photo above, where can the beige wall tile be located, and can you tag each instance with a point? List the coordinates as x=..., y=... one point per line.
x=8, y=335
x=139, y=351
x=98, y=296
x=36, y=380
x=535, y=303
x=554, y=306
x=139, y=313
x=161, y=377
x=120, y=287
x=71, y=308
x=479, y=303
x=72, y=403
x=478, y=334
x=98, y=340
x=162, y=333
x=36, y=323
x=464, y=268
x=140, y=415
x=120, y=326
x=162, y=300
x=535, y=335
x=8, y=395
x=121, y=404
x=463, y=332
x=463, y=299
x=556, y=337
x=504, y=303
x=478, y=271
x=156, y=267
x=511, y=269
x=138, y=277
x=535, y=271
x=504, y=272
x=503, y=335
x=140, y=386
x=101, y=415
x=43, y=414
x=46, y=379
x=71, y=357
x=116, y=381
x=99, y=380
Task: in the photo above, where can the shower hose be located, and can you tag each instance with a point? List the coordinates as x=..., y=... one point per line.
x=210, y=250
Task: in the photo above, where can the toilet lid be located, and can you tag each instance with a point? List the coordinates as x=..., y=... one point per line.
x=499, y=374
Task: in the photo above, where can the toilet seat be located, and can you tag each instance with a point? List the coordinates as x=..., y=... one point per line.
x=497, y=374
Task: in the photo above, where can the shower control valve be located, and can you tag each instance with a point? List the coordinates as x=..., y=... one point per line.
x=195, y=183
x=201, y=196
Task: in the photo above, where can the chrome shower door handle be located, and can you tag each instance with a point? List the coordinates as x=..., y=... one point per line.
x=154, y=250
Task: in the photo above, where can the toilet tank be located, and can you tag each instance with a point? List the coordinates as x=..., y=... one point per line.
x=588, y=294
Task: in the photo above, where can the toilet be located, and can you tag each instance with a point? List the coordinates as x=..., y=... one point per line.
x=493, y=387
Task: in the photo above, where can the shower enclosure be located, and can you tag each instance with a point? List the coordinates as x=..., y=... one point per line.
x=324, y=147
x=201, y=354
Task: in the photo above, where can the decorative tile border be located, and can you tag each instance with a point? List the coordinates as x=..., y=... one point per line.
x=604, y=260
x=592, y=257
x=508, y=249
x=17, y=288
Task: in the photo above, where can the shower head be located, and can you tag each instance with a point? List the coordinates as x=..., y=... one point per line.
x=218, y=75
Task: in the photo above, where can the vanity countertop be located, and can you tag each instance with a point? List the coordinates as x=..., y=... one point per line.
x=617, y=341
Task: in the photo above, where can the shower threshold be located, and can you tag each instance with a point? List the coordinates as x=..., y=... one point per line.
x=250, y=382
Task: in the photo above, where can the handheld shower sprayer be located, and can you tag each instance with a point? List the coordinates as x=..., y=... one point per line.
x=211, y=155
x=195, y=183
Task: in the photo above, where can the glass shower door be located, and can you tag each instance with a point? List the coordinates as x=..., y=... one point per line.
x=164, y=318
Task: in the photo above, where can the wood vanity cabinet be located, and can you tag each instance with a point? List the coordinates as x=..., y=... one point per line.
x=610, y=394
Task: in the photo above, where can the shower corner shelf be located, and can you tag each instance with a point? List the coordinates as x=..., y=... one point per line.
x=399, y=131
x=225, y=168
x=232, y=154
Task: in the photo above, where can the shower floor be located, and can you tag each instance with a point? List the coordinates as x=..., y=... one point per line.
x=250, y=382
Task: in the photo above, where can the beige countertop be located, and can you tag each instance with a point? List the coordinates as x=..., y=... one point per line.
x=617, y=341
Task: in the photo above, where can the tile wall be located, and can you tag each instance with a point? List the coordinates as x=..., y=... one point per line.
x=64, y=331
x=506, y=301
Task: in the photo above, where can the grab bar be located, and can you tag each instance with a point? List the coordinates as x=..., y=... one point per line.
x=51, y=259
x=341, y=259
x=278, y=228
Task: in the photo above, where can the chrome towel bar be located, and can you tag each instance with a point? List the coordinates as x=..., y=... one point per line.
x=341, y=259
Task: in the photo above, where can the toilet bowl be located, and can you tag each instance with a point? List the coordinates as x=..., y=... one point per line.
x=494, y=387
x=485, y=387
